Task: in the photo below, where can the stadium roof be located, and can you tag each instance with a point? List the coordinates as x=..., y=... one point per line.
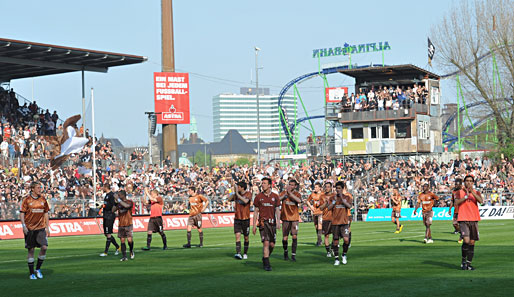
x=21, y=59
x=407, y=72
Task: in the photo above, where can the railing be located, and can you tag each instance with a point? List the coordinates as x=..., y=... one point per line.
x=336, y=113
x=40, y=110
x=75, y=208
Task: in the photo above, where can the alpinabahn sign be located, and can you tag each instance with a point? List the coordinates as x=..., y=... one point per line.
x=171, y=97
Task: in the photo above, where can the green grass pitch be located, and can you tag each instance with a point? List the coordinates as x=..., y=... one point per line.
x=380, y=263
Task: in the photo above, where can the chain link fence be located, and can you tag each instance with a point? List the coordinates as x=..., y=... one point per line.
x=79, y=208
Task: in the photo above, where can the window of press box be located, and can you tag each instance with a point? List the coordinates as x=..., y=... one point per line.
x=357, y=133
x=385, y=131
x=402, y=130
x=373, y=132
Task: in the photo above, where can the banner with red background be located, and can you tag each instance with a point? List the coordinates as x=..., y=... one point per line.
x=171, y=97
x=89, y=226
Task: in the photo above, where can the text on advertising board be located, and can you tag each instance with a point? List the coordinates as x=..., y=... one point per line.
x=171, y=97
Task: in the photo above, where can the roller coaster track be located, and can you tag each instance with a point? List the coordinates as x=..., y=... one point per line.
x=450, y=139
x=289, y=129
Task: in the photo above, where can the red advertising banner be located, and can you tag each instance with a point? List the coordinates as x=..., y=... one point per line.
x=89, y=226
x=335, y=95
x=171, y=97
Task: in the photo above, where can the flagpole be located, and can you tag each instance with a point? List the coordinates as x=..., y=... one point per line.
x=94, y=144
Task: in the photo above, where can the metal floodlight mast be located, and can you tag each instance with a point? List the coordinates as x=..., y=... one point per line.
x=258, y=107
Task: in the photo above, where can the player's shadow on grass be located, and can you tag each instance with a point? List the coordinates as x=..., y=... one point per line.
x=17, y=276
x=441, y=264
x=412, y=240
x=446, y=240
x=308, y=243
x=322, y=253
x=253, y=264
x=157, y=249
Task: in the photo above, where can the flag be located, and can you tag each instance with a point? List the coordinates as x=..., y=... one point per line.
x=431, y=51
x=69, y=143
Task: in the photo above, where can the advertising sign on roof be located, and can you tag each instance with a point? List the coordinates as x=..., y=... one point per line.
x=335, y=95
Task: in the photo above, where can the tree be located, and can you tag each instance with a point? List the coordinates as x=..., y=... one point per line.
x=477, y=40
x=200, y=158
x=244, y=161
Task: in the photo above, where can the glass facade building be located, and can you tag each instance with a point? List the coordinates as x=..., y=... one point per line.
x=239, y=112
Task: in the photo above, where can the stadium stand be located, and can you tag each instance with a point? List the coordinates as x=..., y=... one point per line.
x=70, y=192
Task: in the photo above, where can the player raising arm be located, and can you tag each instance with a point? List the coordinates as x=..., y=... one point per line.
x=155, y=224
x=125, y=228
x=340, y=205
x=108, y=219
x=457, y=193
x=289, y=215
x=468, y=221
x=326, y=199
x=314, y=202
x=396, y=200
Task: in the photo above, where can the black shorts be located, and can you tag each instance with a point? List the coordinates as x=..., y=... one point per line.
x=326, y=228
x=125, y=231
x=35, y=238
x=195, y=221
x=396, y=214
x=242, y=226
x=108, y=225
x=289, y=227
x=317, y=219
x=339, y=231
x=469, y=229
x=155, y=225
x=268, y=232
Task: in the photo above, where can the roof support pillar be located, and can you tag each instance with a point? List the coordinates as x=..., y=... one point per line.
x=83, y=104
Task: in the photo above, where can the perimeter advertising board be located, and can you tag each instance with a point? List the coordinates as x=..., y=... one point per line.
x=171, y=97
x=441, y=213
x=90, y=226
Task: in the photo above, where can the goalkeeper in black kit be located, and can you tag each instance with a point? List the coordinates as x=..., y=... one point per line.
x=109, y=216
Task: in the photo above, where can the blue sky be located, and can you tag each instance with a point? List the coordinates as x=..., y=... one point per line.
x=214, y=41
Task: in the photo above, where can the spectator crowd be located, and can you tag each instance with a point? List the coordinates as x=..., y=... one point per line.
x=384, y=98
x=29, y=141
x=70, y=192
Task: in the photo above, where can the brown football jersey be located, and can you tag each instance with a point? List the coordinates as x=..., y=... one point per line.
x=34, y=210
x=289, y=211
x=196, y=204
x=243, y=209
x=315, y=200
x=267, y=205
x=125, y=214
x=397, y=206
x=427, y=200
x=340, y=211
x=327, y=213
